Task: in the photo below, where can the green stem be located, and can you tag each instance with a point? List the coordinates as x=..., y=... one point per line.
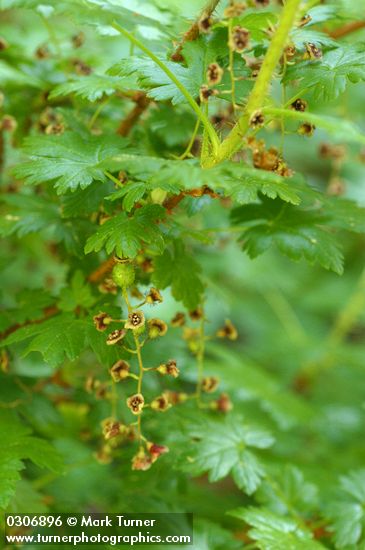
x=97, y=112
x=140, y=362
x=117, y=182
x=191, y=142
x=193, y=104
x=234, y=140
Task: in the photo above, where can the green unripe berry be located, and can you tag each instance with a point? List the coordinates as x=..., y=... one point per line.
x=123, y=274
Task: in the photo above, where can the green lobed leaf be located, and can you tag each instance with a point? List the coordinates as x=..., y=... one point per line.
x=274, y=532
x=92, y=87
x=347, y=513
x=68, y=159
x=127, y=235
x=223, y=448
x=59, y=338
x=329, y=76
x=16, y=445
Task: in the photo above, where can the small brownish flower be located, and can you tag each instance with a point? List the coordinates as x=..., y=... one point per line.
x=81, y=68
x=290, y=51
x=210, y=384
x=156, y=328
x=115, y=337
x=196, y=314
x=8, y=123
x=336, y=152
x=299, y=105
x=154, y=296
x=227, y=331
x=283, y=169
x=175, y=397
x=312, y=51
x=304, y=20
x=239, y=39
x=3, y=44
x=257, y=120
x=336, y=187
x=205, y=93
x=147, y=265
x=234, y=10
x=214, y=74
x=222, y=404
x=136, y=403
x=120, y=370
x=112, y=428
x=160, y=403
x=136, y=320
x=205, y=24
x=306, y=129
x=101, y=391
x=266, y=160
x=78, y=39
x=54, y=129
x=178, y=320
x=108, y=286
x=141, y=461
x=102, y=321
x=42, y=52
x=93, y=385
x=169, y=368
x=156, y=450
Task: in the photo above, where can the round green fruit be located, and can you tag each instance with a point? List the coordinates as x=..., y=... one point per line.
x=123, y=274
